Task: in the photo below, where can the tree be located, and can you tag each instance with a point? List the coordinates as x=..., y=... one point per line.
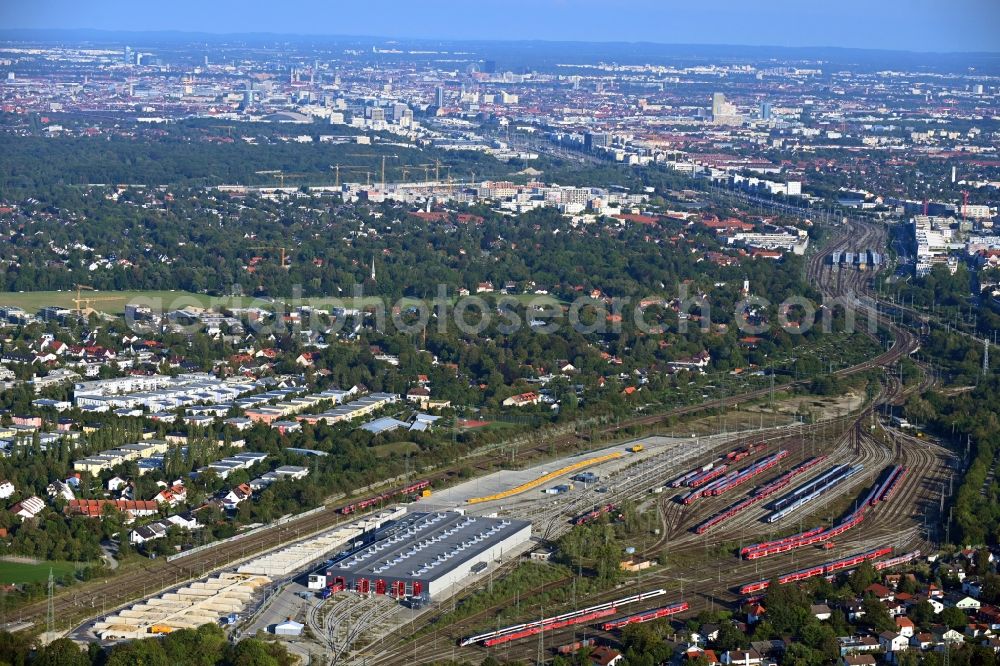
x=61, y=652
x=922, y=614
x=730, y=637
x=954, y=618
x=876, y=614
x=862, y=577
x=252, y=652
x=148, y=652
x=787, y=608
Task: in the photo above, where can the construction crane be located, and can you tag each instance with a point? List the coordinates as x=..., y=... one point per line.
x=90, y=299
x=280, y=175
x=406, y=169
x=283, y=251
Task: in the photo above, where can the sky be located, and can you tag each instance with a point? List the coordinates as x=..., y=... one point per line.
x=915, y=25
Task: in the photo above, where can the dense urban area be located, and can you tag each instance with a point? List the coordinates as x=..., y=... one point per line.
x=370, y=351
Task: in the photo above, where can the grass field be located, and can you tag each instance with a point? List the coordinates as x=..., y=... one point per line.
x=20, y=572
x=395, y=448
x=113, y=302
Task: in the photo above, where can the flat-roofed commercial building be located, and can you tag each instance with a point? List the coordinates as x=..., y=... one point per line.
x=425, y=554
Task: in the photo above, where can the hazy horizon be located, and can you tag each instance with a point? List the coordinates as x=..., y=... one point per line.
x=922, y=26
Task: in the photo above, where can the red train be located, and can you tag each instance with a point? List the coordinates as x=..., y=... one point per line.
x=591, y=516
x=778, y=542
x=361, y=505
x=646, y=616
x=787, y=477
x=570, y=648
x=739, y=454
x=896, y=561
x=705, y=477
x=730, y=481
x=818, y=570
x=758, y=495
x=889, y=487
x=532, y=631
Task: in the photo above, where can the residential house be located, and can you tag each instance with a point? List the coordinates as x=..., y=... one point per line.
x=756, y=613
x=742, y=658
x=28, y=507
x=893, y=642
x=158, y=529
x=707, y=633
x=945, y=635
x=232, y=499
x=523, y=399
x=605, y=656
x=963, y=602
x=855, y=610
x=821, y=612
x=857, y=660
x=171, y=496
x=419, y=395
x=973, y=586
x=95, y=508
x=993, y=643
x=708, y=655
x=923, y=641
x=58, y=489
x=857, y=644
x=905, y=626
x=880, y=591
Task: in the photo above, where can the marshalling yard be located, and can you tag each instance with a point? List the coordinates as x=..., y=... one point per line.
x=734, y=510
x=352, y=626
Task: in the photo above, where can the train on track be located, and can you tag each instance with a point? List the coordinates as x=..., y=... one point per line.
x=758, y=495
x=810, y=491
x=819, y=570
x=736, y=478
x=535, y=627
x=592, y=516
x=408, y=491
x=646, y=616
x=880, y=492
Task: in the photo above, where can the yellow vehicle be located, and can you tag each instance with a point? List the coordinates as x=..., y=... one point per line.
x=160, y=629
x=426, y=492
x=636, y=448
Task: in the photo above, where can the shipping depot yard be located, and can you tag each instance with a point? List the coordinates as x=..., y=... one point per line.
x=729, y=513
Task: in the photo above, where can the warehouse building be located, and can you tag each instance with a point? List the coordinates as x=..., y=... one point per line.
x=425, y=554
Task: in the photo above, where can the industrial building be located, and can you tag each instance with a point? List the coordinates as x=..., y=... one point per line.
x=288, y=560
x=425, y=554
x=187, y=607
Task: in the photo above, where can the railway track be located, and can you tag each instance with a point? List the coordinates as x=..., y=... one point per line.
x=889, y=523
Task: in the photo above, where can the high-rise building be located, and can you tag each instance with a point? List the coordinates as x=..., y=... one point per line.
x=398, y=110
x=724, y=113
x=439, y=97
x=765, y=110
x=127, y=57
x=593, y=140
x=718, y=102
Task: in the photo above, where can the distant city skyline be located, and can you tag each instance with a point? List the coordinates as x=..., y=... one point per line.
x=912, y=25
